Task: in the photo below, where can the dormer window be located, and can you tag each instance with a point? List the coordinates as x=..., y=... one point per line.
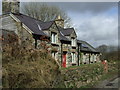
x=73, y=42
x=54, y=37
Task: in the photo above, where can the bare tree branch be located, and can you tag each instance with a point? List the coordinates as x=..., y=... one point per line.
x=45, y=12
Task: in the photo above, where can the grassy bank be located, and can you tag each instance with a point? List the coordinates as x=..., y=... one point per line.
x=112, y=72
x=78, y=76
x=27, y=68
x=86, y=76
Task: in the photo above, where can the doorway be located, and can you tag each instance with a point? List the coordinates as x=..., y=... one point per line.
x=64, y=60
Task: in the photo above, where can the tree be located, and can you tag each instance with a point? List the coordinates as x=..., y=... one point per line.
x=45, y=12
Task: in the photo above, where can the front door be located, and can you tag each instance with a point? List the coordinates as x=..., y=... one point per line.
x=64, y=60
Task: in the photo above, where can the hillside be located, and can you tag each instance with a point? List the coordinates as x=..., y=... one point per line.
x=109, y=52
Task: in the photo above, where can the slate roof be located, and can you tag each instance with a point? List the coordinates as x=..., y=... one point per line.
x=37, y=27
x=63, y=38
x=45, y=25
x=80, y=41
x=66, y=31
x=87, y=47
x=33, y=24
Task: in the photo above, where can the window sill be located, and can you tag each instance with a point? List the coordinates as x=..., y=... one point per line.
x=73, y=46
x=56, y=44
x=73, y=64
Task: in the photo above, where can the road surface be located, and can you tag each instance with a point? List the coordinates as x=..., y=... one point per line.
x=114, y=83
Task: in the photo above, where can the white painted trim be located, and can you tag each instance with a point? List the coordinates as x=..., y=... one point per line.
x=73, y=57
x=16, y=19
x=24, y=26
x=73, y=42
x=54, y=38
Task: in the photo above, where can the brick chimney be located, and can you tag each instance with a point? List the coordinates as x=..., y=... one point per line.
x=10, y=6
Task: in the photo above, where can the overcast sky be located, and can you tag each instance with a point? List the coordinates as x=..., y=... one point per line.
x=94, y=22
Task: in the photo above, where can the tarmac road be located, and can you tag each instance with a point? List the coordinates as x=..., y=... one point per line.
x=114, y=83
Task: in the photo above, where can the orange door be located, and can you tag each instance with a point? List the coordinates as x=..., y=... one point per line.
x=64, y=60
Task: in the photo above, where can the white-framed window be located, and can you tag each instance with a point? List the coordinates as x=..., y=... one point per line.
x=73, y=57
x=54, y=55
x=94, y=57
x=54, y=37
x=84, y=58
x=91, y=57
x=87, y=58
x=73, y=42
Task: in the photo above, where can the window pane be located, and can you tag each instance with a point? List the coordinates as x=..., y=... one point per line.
x=74, y=57
x=52, y=38
x=55, y=38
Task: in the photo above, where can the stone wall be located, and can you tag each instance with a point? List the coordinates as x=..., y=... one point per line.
x=25, y=38
x=85, y=75
x=10, y=6
x=8, y=23
x=85, y=58
x=79, y=76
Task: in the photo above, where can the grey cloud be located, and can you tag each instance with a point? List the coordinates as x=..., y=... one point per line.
x=94, y=7
x=92, y=29
x=99, y=30
x=103, y=42
x=0, y=7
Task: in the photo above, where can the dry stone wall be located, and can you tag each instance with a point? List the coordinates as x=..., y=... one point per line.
x=79, y=76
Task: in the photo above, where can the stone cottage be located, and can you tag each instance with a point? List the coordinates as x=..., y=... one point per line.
x=61, y=42
x=88, y=54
